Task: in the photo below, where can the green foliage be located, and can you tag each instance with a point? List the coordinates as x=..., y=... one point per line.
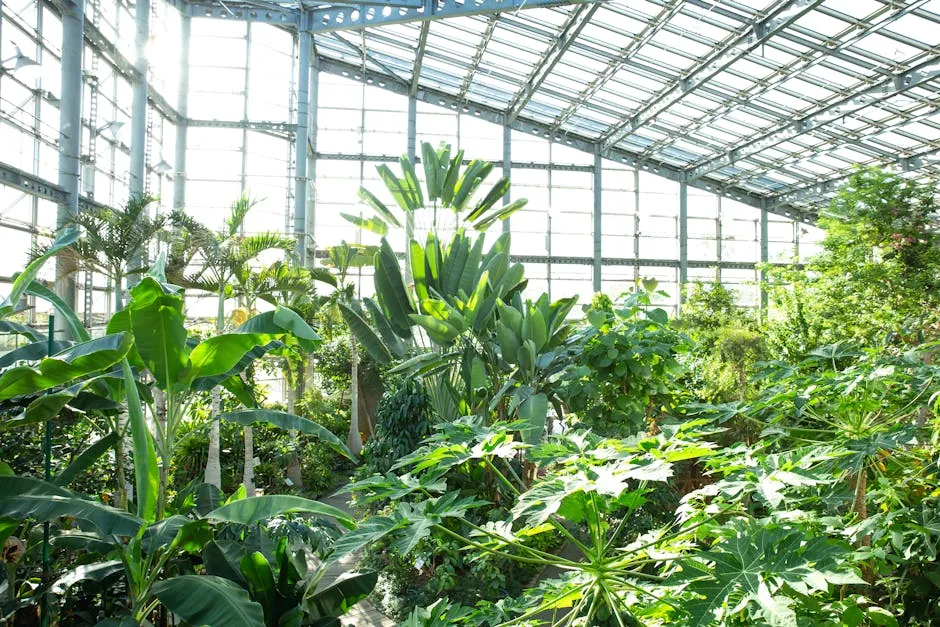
x=402, y=421
x=625, y=361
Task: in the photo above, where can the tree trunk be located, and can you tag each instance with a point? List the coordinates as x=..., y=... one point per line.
x=354, y=442
x=213, y=458
x=248, y=478
x=294, y=469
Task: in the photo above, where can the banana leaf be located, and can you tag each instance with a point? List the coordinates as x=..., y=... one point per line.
x=288, y=421
x=209, y=600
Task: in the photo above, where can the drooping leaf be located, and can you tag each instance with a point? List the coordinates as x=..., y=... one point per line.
x=336, y=599
x=288, y=421
x=251, y=511
x=157, y=321
x=62, y=310
x=86, y=459
x=533, y=411
x=282, y=320
x=96, y=571
x=24, y=497
x=65, y=238
x=380, y=208
x=364, y=333
x=374, y=225
x=209, y=600
x=146, y=472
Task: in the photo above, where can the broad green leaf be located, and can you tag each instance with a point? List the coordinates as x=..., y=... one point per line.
x=97, y=571
x=251, y=511
x=159, y=331
x=380, y=208
x=374, y=225
x=371, y=530
x=339, y=597
x=288, y=421
x=33, y=351
x=364, y=333
x=221, y=560
x=21, y=282
x=62, y=310
x=399, y=189
x=209, y=600
x=146, y=472
x=23, y=497
x=411, y=182
x=77, y=361
x=231, y=380
x=282, y=320
x=85, y=460
x=501, y=214
x=259, y=576
x=390, y=290
x=533, y=411
x=496, y=193
x=219, y=354
x=15, y=328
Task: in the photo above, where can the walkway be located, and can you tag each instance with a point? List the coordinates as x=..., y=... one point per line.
x=362, y=614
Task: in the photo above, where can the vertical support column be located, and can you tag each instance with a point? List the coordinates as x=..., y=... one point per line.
x=683, y=239
x=182, y=106
x=636, y=223
x=305, y=47
x=764, y=256
x=412, y=152
x=70, y=138
x=718, y=238
x=507, y=169
x=312, y=109
x=598, y=169
x=136, y=172
x=244, y=176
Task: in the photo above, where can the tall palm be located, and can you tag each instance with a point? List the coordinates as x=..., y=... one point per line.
x=343, y=258
x=219, y=257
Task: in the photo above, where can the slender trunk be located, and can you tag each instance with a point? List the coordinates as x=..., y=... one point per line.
x=120, y=488
x=294, y=470
x=248, y=478
x=213, y=458
x=354, y=442
x=859, y=483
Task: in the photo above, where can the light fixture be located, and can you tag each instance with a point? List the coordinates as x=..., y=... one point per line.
x=19, y=61
x=162, y=168
x=113, y=128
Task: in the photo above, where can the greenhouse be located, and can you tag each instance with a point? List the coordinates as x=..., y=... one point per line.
x=470, y=312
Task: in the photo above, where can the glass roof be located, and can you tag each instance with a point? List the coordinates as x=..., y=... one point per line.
x=781, y=98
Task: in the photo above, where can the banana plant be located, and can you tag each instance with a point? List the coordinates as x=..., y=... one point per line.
x=143, y=553
x=154, y=316
x=447, y=186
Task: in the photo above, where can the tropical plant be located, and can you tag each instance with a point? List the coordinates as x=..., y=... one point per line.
x=221, y=258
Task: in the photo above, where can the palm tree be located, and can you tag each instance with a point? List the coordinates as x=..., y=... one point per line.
x=343, y=258
x=114, y=241
x=221, y=257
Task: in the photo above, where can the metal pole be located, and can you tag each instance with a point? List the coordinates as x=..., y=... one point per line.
x=70, y=137
x=312, y=158
x=598, y=169
x=182, y=106
x=412, y=148
x=136, y=172
x=636, y=224
x=300, y=145
x=683, y=239
x=507, y=169
x=47, y=474
x=764, y=256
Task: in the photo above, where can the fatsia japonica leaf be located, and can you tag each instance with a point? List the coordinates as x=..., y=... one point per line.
x=753, y=569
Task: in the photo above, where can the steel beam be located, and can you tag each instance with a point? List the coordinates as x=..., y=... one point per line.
x=507, y=171
x=784, y=14
x=419, y=56
x=478, y=55
x=283, y=128
x=301, y=182
x=898, y=83
x=31, y=184
x=764, y=258
x=598, y=219
x=577, y=20
x=683, y=238
x=266, y=13
x=412, y=154
x=312, y=115
x=357, y=17
x=539, y=129
x=182, y=125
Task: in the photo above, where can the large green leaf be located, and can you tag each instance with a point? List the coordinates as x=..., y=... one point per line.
x=390, y=290
x=374, y=225
x=21, y=282
x=33, y=351
x=219, y=354
x=146, y=472
x=336, y=599
x=251, y=511
x=230, y=376
x=364, y=333
x=282, y=320
x=288, y=421
x=75, y=326
x=10, y=327
x=85, y=460
x=77, y=361
x=221, y=559
x=209, y=600
x=23, y=497
x=259, y=576
x=96, y=571
x=158, y=324
x=533, y=411
x=380, y=208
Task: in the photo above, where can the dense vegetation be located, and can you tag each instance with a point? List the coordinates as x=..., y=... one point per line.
x=524, y=462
